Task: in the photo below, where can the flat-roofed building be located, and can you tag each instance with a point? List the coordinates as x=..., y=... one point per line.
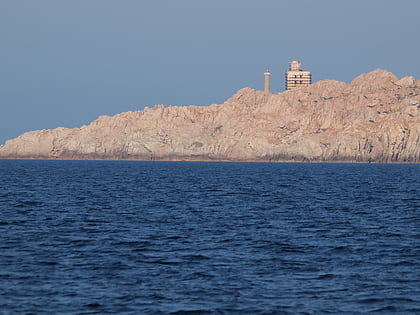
x=296, y=77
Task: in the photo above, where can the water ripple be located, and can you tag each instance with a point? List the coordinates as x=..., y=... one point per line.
x=208, y=238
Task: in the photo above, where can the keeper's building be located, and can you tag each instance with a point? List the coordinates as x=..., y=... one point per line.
x=296, y=77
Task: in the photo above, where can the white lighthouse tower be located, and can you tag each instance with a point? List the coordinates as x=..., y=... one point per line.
x=267, y=81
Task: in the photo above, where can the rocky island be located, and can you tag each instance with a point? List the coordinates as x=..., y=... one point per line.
x=375, y=118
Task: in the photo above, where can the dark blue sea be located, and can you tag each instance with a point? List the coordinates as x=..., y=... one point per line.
x=101, y=237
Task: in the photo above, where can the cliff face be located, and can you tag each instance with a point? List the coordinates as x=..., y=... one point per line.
x=374, y=118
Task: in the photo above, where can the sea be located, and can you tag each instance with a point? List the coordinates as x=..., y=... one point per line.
x=132, y=237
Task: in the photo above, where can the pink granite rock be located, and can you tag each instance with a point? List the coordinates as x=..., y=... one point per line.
x=375, y=118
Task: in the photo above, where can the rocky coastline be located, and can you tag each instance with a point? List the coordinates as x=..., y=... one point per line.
x=375, y=118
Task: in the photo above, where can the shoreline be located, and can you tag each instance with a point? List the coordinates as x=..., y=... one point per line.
x=213, y=160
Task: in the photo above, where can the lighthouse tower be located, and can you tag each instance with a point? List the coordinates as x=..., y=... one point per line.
x=267, y=81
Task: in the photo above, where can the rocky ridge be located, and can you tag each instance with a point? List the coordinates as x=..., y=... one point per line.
x=375, y=118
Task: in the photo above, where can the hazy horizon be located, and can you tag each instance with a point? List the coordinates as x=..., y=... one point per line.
x=64, y=63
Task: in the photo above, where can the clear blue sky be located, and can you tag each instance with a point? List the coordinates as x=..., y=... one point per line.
x=65, y=62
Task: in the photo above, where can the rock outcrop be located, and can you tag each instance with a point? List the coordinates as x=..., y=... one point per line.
x=375, y=118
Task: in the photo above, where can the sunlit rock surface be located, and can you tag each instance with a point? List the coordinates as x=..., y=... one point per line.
x=375, y=118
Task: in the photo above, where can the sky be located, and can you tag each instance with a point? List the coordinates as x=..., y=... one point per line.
x=63, y=63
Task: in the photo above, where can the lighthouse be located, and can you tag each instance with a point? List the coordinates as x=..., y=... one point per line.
x=296, y=77
x=267, y=81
